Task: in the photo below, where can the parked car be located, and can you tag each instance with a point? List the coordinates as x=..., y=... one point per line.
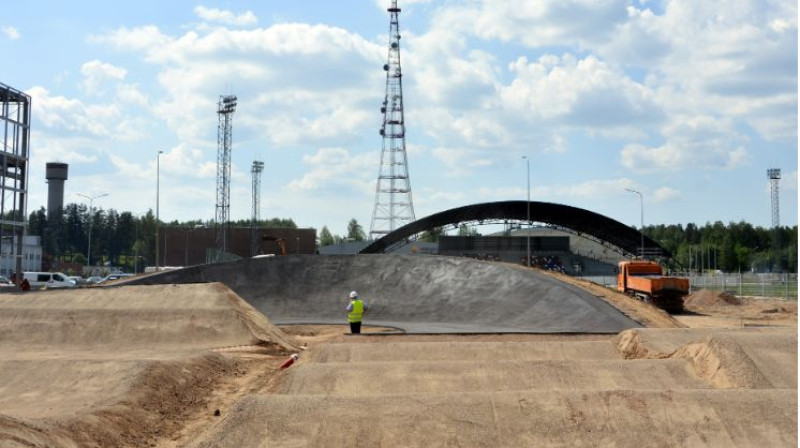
x=6, y=283
x=40, y=280
x=112, y=277
x=77, y=279
x=93, y=279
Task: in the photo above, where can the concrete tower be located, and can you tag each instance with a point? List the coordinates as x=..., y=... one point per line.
x=56, y=174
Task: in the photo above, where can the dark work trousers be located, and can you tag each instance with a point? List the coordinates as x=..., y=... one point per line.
x=355, y=327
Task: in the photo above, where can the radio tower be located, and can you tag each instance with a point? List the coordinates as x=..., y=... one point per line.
x=225, y=109
x=258, y=166
x=774, y=175
x=393, y=205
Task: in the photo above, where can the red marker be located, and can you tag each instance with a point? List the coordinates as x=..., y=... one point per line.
x=289, y=361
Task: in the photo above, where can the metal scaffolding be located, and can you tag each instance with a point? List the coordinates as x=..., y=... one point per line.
x=257, y=168
x=225, y=109
x=15, y=117
x=393, y=204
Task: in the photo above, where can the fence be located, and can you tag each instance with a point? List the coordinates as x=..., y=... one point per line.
x=767, y=285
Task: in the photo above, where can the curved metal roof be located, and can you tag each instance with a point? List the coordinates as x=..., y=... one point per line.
x=576, y=219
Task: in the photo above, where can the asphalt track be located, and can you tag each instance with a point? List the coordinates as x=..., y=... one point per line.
x=414, y=293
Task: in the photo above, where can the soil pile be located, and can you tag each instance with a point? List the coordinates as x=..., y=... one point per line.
x=121, y=366
x=706, y=298
x=763, y=358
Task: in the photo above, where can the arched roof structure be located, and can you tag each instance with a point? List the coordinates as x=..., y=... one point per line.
x=580, y=221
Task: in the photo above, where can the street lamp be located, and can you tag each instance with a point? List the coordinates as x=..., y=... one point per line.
x=89, y=250
x=641, y=208
x=528, y=165
x=158, y=193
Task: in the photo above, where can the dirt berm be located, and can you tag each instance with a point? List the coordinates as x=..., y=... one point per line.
x=416, y=293
x=103, y=367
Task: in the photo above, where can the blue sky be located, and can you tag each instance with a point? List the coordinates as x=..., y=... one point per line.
x=688, y=102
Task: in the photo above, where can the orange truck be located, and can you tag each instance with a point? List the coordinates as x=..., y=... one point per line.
x=646, y=280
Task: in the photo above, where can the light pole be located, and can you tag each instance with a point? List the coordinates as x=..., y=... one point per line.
x=528, y=166
x=89, y=250
x=158, y=193
x=641, y=208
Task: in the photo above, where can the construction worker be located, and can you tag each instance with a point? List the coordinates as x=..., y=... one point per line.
x=355, y=310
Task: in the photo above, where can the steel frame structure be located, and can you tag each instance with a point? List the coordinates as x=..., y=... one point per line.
x=611, y=233
x=225, y=109
x=255, y=170
x=15, y=118
x=394, y=206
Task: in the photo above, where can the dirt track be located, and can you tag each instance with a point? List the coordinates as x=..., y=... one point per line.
x=195, y=365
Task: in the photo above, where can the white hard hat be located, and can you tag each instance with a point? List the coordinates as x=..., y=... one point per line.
x=353, y=294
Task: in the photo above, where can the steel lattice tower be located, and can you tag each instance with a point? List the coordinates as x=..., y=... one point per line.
x=393, y=205
x=225, y=109
x=258, y=167
x=774, y=175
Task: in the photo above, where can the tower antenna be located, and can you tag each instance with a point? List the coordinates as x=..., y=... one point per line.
x=393, y=204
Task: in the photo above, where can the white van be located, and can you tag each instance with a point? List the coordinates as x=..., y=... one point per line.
x=39, y=280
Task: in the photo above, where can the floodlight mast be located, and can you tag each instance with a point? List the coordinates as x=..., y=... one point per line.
x=225, y=109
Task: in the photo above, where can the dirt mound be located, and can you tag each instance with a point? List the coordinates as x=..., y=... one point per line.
x=188, y=316
x=706, y=298
x=121, y=366
x=724, y=359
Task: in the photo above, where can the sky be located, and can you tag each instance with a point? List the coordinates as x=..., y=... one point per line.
x=688, y=102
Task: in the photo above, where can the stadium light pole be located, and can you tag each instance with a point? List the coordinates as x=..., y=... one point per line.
x=528, y=166
x=158, y=195
x=641, y=208
x=89, y=250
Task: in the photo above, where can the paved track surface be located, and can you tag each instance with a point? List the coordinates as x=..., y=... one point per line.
x=415, y=293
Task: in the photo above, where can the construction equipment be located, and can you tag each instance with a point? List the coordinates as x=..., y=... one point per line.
x=645, y=280
x=281, y=244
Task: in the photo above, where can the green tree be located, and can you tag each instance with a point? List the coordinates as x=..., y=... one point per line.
x=325, y=237
x=354, y=231
x=432, y=235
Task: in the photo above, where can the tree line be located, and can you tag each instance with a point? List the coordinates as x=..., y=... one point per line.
x=128, y=240
x=121, y=239
x=730, y=248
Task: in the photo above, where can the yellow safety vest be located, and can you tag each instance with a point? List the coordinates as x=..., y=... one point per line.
x=357, y=312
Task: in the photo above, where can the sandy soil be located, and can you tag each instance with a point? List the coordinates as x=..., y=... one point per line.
x=194, y=365
x=711, y=309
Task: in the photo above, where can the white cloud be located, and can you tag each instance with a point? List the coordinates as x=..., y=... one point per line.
x=560, y=193
x=96, y=74
x=130, y=93
x=137, y=39
x=226, y=17
x=536, y=24
x=700, y=142
x=11, y=32
x=61, y=114
x=335, y=168
x=665, y=194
